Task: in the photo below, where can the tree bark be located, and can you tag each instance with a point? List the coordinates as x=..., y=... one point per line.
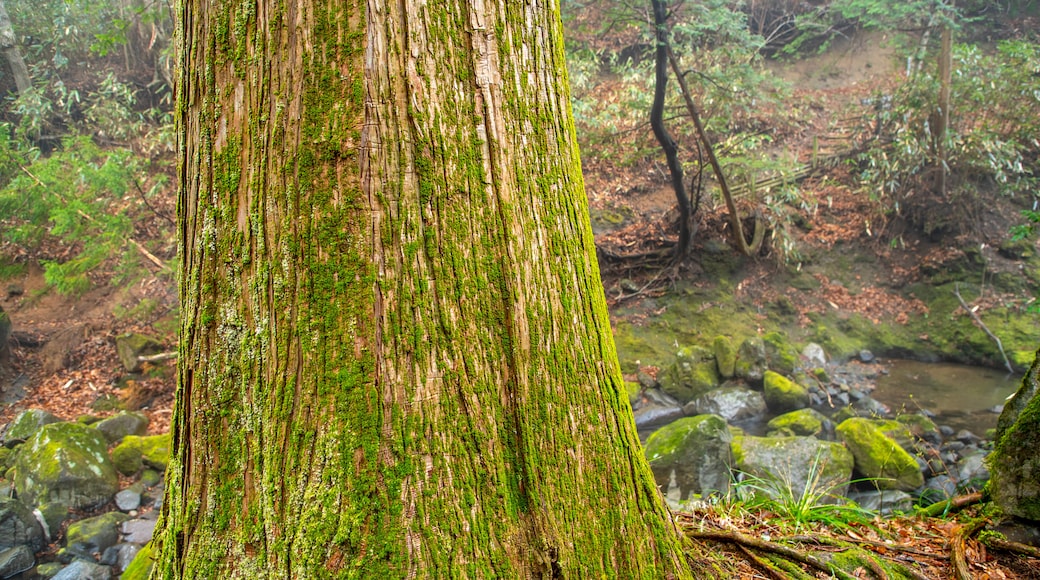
x=9, y=46
x=395, y=355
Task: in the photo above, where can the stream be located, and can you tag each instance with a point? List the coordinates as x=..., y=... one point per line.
x=961, y=396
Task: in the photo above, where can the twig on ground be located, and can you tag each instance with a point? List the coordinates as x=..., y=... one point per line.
x=951, y=505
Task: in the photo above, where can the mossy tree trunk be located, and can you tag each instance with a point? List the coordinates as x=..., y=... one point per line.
x=395, y=355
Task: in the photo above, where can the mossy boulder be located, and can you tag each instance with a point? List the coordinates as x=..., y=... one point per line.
x=781, y=355
x=751, y=361
x=879, y=455
x=65, y=464
x=26, y=424
x=134, y=453
x=788, y=466
x=696, y=450
x=725, y=356
x=90, y=537
x=921, y=427
x=1014, y=464
x=803, y=422
x=782, y=394
x=122, y=424
x=133, y=345
x=694, y=372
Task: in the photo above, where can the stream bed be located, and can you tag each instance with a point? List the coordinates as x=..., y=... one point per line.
x=961, y=396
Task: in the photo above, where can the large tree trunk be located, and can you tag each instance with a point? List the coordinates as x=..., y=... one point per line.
x=395, y=355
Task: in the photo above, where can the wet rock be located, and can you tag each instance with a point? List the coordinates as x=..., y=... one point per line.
x=865, y=356
x=868, y=406
x=803, y=422
x=783, y=394
x=132, y=345
x=18, y=526
x=15, y=560
x=694, y=372
x=90, y=537
x=138, y=530
x=884, y=502
x=732, y=403
x=802, y=464
x=120, y=425
x=83, y=570
x=134, y=453
x=66, y=464
x=693, y=450
x=26, y=424
x=876, y=445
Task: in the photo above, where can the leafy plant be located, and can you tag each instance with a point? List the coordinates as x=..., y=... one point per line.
x=82, y=199
x=801, y=503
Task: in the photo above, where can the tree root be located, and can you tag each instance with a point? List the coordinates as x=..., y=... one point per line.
x=749, y=542
x=1009, y=546
x=958, y=555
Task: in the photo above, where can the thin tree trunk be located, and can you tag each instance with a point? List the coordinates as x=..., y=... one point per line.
x=9, y=45
x=945, y=80
x=395, y=356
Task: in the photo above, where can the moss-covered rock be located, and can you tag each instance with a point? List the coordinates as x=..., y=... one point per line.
x=696, y=450
x=751, y=360
x=783, y=394
x=725, y=356
x=781, y=355
x=732, y=403
x=789, y=465
x=921, y=427
x=67, y=464
x=141, y=566
x=803, y=422
x=90, y=537
x=879, y=455
x=18, y=525
x=694, y=372
x=134, y=453
x=1015, y=464
x=122, y=424
x=132, y=345
x=26, y=424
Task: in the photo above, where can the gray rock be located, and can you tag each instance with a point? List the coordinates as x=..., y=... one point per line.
x=733, y=403
x=118, y=426
x=694, y=453
x=795, y=465
x=940, y=488
x=884, y=502
x=83, y=570
x=18, y=526
x=138, y=531
x=26, y=424
x=866, y=356
x=15, y=560
x=868, y=406
x=973, y=470
x=814, y=355
x=66, y=464
x=128, y=499
x=120, y=556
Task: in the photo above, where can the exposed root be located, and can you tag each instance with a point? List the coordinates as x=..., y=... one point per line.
x=958, y=555
x=951, y=505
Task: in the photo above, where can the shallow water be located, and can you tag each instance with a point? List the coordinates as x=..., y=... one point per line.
x=963, y=397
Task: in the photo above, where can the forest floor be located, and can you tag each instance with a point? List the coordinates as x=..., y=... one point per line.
x=64, y=360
